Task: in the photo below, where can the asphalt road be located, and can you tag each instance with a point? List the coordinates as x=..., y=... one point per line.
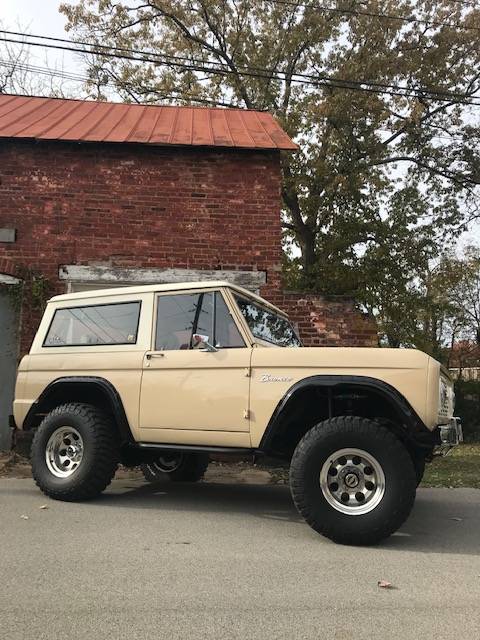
x=229, y=561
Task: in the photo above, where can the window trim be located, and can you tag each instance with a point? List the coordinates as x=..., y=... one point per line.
x=100, y=344
x=228, y=303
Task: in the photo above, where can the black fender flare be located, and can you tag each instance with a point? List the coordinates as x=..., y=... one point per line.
x=55, y=390
x=414, y=427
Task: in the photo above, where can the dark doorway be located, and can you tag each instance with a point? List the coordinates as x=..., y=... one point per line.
x=8, y=361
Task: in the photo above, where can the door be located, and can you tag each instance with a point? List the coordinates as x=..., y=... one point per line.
x=191, y=394
x=8, y=363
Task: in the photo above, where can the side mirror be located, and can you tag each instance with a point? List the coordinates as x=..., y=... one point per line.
x=198, y=339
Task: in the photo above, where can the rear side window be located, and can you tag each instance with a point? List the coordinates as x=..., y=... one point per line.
x=97, y=324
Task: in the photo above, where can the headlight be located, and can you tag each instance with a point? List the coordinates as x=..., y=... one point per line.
x=446, y=399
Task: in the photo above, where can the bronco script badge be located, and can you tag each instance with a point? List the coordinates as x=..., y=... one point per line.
x=266, y=377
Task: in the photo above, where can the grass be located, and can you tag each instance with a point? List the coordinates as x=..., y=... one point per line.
x=461, y=468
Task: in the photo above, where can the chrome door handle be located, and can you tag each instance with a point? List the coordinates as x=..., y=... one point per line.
x=149, y=356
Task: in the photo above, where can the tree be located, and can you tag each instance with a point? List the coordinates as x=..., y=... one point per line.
x=20, y=73
x=464, y=290
x=363, y=147
x=431, y=303
x=13, y=60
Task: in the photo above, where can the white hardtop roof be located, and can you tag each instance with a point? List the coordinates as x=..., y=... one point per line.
x=160, y=288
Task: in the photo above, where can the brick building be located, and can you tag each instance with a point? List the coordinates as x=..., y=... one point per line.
x=99, y=194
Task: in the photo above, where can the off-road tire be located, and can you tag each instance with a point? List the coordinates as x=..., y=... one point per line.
x=191, y=469
x=100, y=452
x=419, y=464
x=314, y=450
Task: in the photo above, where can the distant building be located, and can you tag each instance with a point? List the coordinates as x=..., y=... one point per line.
x=464, y=361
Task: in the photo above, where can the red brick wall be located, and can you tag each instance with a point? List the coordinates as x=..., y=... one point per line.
x=143, y=206
x=329, y=323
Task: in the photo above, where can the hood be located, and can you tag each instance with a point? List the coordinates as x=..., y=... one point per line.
x=346, y=358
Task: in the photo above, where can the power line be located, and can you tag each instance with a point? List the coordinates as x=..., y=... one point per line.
x=372, y=14
x=317, y=81
x=189, y=60
x=69, y=75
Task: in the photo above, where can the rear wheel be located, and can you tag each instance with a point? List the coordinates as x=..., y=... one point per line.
x=352, y=480
x=176, y=466
x=74, y=452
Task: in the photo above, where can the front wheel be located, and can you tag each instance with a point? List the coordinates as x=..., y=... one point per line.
x=419, y=464
x=352, y=480
x=176, y=466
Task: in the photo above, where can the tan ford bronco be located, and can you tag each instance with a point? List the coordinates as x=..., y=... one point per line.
x=164, y=376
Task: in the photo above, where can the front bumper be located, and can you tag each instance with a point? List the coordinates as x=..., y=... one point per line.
x=451, y=434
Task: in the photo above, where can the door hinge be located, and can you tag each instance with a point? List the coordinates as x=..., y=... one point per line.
x=246, y=414
x=247, y=372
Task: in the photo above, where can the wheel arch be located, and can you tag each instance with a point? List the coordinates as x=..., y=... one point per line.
x=326, y=391
x=88, y=389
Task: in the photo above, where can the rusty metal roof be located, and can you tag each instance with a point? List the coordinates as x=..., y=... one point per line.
x=88, y=121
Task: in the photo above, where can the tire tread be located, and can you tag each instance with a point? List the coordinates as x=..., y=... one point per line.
x=105, y=454
x=390, y=444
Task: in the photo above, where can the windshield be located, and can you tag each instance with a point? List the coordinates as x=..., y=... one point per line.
x=268, y=325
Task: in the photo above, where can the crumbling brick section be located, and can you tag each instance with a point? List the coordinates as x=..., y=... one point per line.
x=330, y=323
x=7, y=267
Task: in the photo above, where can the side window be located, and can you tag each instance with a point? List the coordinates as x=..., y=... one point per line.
x=176, y=317
x=226, y=330
x=181, y=315
x=92, y=325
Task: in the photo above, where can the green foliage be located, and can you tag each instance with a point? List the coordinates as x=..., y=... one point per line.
x=429, y=302
x=467, y=394
x=14, y=292
x=40, y=292
x=32, y=287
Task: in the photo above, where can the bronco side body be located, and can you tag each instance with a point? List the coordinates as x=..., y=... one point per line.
x=163, y=376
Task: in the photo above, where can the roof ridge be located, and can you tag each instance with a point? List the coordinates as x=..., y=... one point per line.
x=134, y=126
x=174, y=126
x=229, y=130
x=264, y=130
x=54, y=124
x=46, y=115
x=75, y=124
x=157, y=118
x=98, y=122
x=244, y=125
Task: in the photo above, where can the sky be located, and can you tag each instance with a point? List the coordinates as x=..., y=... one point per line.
x=40, y=17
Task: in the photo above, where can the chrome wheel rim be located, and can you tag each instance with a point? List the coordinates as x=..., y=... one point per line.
x=167, y=463
x=352, y=481
x=64, y=452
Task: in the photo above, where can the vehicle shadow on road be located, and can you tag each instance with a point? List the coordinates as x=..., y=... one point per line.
x=442, y=521
x=260, y=500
